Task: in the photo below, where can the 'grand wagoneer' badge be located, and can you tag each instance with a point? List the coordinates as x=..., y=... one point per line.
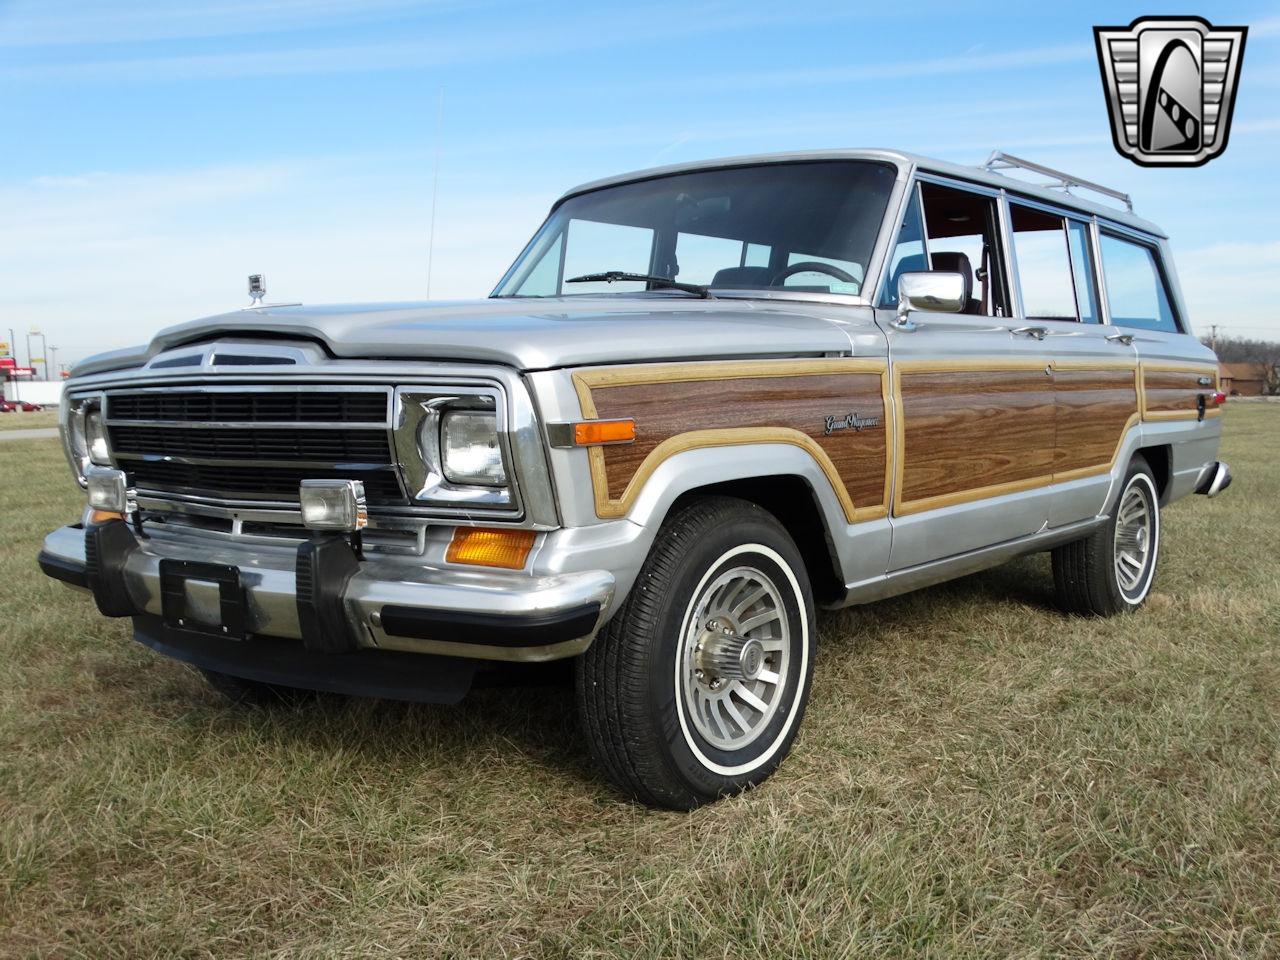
x=850, y=421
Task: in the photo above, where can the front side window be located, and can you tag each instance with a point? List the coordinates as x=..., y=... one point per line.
x=735, y=228
x=1041, y=246
x=1136, y=292
x=961, y=232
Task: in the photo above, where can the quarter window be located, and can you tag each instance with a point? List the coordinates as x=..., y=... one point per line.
x=1135, y=289
x=908, y=253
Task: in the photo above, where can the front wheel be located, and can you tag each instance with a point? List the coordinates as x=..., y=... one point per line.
x=1111, y=570
x=697, y=686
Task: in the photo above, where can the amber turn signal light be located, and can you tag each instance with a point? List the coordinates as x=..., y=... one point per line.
x=592, y=432
x=484, y=547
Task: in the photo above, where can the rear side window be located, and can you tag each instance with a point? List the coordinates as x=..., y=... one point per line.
x=1135, y=288
x=1044, y=264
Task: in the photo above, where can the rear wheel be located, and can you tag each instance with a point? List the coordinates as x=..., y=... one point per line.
x=1111, y=570
x=697, y=686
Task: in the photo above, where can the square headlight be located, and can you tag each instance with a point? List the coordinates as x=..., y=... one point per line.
x=95, y=435
x=84, y=435
x=469, y=447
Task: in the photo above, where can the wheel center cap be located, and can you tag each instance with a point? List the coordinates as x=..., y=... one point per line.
x=751, y=659
x=723, y=655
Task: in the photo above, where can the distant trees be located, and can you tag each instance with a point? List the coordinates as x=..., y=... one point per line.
x=1262, y=352
x=1241, y=350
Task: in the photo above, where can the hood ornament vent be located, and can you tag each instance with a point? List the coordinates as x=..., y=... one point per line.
x=257, y=289
x=237, y=353
x=258, y=292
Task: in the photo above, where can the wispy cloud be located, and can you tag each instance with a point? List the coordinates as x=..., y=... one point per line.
x=1270, y=27
x=878, y=69
x=1233, y=285
x=35, y=23
x=508, y=39
x=100, y=260
x=294, y=61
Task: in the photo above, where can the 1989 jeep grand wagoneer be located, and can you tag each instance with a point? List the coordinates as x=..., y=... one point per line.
x=705, y=400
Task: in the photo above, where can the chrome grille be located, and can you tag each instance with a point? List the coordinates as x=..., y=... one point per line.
x=254, y=443
x=251, y=406
x=252, y=482
x=346, y=447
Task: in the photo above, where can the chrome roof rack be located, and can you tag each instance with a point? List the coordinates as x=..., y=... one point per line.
x=1003, y=161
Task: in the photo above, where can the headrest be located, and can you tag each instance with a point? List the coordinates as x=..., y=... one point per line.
x=950, y=261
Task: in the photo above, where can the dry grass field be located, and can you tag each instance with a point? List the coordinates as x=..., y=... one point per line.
x=27, y=421
x=977, y=776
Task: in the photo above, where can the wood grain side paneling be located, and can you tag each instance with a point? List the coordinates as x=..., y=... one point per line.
x=1169, y=391
x=1094, y=410
x=677, y=407
x=966, y=434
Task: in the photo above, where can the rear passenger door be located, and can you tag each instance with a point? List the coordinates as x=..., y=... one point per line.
x=1054, y=253
x=1177, y=374
x=973, y=400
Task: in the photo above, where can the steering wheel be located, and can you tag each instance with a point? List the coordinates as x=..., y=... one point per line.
x=807, y=266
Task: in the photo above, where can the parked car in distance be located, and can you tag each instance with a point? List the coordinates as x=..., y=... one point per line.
x=19, y=406
x=705, y=401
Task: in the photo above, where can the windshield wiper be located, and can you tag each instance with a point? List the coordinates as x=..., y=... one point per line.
x=609, y=276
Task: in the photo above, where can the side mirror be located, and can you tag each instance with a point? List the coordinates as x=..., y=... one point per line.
x=936, y=290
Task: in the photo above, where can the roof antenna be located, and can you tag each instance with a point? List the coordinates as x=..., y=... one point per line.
x=435, y=185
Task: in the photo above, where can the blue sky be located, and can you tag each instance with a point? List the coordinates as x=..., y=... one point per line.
x=156, y=153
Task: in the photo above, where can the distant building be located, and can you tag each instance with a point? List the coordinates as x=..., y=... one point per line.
x=1243, y=379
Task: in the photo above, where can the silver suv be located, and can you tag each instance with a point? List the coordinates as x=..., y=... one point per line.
x=703, y=402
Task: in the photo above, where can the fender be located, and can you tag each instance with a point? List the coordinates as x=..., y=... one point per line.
x=861, y=548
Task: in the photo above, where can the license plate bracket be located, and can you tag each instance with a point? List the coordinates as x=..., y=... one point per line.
x=175, y=607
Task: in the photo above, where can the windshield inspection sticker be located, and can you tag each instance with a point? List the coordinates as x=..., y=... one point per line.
x=1170, y=84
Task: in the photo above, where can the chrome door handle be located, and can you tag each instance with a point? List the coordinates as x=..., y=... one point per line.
x=1035, y=333
x=1125, y=339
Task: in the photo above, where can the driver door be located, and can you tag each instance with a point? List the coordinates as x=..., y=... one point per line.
x=973, y=393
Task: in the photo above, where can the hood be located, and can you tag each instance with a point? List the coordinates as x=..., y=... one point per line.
x=532, y=334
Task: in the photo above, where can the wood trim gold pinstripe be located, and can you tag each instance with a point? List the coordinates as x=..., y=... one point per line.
x=590, y=380
x=906, y=507
x=587, y=381
x=1187, y=367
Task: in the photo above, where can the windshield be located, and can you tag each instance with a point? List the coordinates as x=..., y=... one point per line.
x=787, y=227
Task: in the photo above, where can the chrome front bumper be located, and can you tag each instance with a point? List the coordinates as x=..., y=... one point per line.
x=392, y=604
